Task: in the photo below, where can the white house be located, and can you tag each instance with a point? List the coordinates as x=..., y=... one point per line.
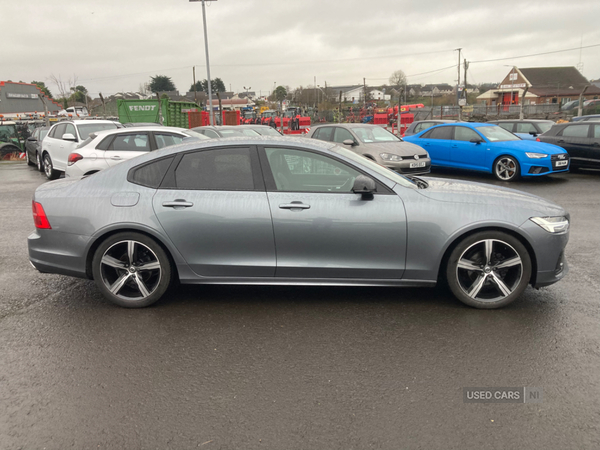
x=376, y=94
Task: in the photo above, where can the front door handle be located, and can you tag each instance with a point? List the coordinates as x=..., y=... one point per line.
x=294, y=206
x=561, y=142
x=177, y=204
x=115, y=157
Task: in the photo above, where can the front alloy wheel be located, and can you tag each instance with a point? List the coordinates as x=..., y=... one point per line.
x=51, y=174
x=506, y=168
x=131, y=270
x=489, y=270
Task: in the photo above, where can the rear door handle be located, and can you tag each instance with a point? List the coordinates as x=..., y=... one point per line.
x=294, y=205
x=177, y=203
x=115, y=157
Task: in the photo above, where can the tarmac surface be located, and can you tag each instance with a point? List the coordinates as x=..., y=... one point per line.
x=223, y=367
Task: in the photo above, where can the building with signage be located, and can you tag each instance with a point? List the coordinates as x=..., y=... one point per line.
x=23, y=100
x=540, y=85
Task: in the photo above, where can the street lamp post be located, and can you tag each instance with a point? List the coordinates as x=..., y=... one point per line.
x=210, y=104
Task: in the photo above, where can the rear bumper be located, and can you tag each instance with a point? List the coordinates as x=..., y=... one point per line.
x=60, y=253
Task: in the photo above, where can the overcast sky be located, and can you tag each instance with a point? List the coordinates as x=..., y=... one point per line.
x=116, y=45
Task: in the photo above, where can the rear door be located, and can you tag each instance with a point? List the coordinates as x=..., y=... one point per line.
x=437, y=142
x=213, y=206
x=322, y=229
x=126, y=146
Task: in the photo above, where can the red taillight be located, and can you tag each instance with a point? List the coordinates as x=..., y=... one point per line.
x=39, y=216
x=538, y=139
x=73, y=158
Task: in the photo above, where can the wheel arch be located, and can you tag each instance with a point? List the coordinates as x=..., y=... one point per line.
x=105, y=234
x=466, y=233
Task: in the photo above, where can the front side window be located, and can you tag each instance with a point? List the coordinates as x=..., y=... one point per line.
x=576, y=131
x=219, y=169
x=71, y=130
x=496, y=134
x=303, y=171
x=341, y=134
x=465, y=134
x=59, y=131
x=133, y=142
x=507, y=126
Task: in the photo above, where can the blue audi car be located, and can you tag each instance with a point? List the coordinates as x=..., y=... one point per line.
x=489, y=148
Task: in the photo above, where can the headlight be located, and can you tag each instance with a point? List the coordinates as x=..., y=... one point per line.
x=390, y=157
x=555, y=225
x=536, y=155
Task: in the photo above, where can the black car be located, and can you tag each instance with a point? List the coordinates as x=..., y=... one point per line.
x=33, y=146
x=525, y=129
x=420, y=125
x=580, y=139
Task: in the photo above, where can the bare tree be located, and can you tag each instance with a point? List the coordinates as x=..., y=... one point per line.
x=398, y=79
x=64, y=87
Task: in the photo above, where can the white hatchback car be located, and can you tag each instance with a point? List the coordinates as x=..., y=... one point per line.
x=104, y=149
x=64, y=137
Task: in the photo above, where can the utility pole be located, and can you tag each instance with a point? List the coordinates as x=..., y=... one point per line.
x=458, y=82
x=195, y=89
x=466, y=64
x=365, y=92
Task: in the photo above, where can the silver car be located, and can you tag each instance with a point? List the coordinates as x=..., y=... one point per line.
x=378, y=144
x=291, y=211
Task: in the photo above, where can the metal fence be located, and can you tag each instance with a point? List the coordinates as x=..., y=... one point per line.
x=487, y=112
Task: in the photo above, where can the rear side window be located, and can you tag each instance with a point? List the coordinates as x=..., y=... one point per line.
x=134, y=142
x=439, y=133
x=151, y=174
x=166, y=139
x=597, y=131
x=222, y=169
x=576, y=131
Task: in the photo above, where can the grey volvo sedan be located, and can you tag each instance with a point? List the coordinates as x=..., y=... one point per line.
x=291, y=211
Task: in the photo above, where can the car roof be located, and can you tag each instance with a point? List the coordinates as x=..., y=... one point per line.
x=138, y=129
x=520, y=120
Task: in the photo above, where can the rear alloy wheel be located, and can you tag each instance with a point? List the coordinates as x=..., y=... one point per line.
x=51, y=174
x=488, y=270
x=506, y=168
x=131, y=270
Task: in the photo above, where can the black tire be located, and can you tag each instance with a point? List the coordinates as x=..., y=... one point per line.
x=40, y=164
x=506, y=168
x=131, y=270
x=51, y=174
x=488, y=270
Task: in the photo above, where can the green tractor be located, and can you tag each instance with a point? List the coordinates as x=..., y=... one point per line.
x=11, y=146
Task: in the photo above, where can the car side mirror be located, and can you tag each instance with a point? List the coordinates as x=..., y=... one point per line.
x=476, y=141
x=31, y=139
x=533, y=133
x=349, y=142
x=69, y=137
x=365, y=186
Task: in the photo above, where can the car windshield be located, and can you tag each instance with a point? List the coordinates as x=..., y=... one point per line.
x=86, y=129
x=388, y=173
x=545, y=126
x=8, y=133
x=370, y=135
x=496, y=134
x=268, y=131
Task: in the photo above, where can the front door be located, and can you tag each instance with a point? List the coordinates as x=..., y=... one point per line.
x=214, y=208
x=463, y=152
x=322, y=229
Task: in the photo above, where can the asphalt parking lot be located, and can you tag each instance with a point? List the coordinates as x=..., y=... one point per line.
x=221, y=367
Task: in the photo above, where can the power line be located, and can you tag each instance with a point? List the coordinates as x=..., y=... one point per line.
x=534, y=54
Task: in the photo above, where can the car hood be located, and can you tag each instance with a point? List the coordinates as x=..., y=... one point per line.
x=455, y=191
x=531, y=146
x=397, y=148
